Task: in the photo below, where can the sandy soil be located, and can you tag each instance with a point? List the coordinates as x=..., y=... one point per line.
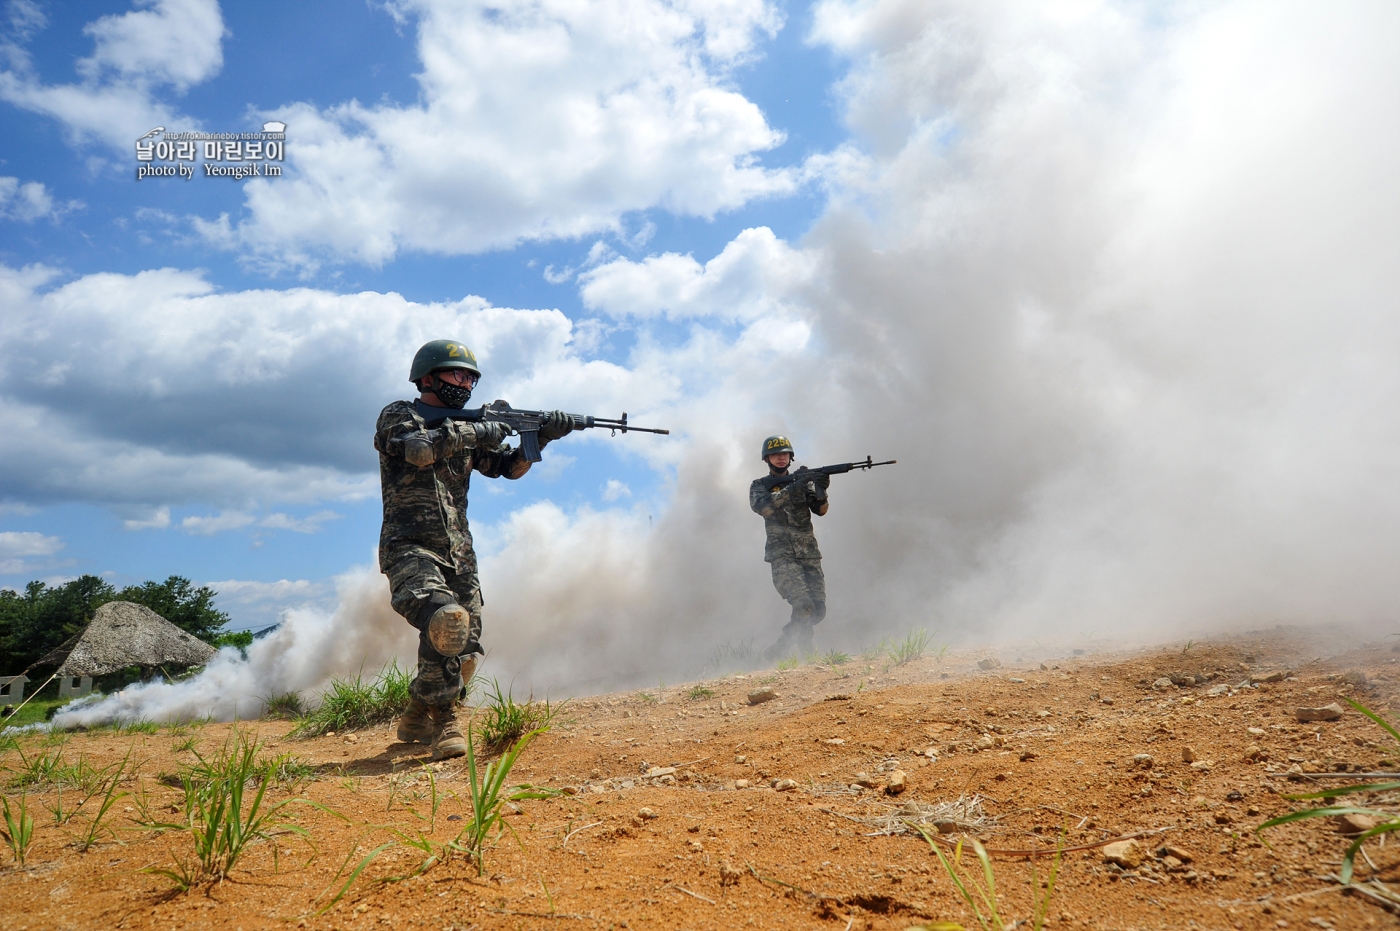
x=1083, y=745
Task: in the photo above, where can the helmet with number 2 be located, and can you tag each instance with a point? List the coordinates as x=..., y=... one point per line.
x=776, y=444
x=442, y=354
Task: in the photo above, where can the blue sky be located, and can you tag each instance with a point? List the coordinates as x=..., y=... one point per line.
x=1101, y=276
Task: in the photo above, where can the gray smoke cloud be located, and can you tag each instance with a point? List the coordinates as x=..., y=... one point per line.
x=1123, y=297
x=1118, y=291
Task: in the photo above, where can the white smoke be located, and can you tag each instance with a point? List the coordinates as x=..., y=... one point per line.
x=1122, y=293
x=309, y=649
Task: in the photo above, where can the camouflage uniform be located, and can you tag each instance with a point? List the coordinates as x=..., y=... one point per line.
x=792, y=552
x=425, y=546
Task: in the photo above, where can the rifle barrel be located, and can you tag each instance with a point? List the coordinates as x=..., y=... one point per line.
x=614, y=423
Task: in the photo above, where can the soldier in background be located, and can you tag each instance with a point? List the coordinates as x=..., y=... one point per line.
x=791, y=549
x=425, y=546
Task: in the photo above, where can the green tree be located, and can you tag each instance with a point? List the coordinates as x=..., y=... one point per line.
x=179, y=602
x=41, y=617
x=33, y=623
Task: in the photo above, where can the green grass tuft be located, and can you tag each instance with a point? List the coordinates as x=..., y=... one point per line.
x=49, y=768
x=488, y=794
x=286, y=707
x=504, y=720
x=351, y=704
x=733, y=655
x=290, y=770
x=19, y=827
x=981, y=896
x=225, y=812
x=912, y=647
x=878, y=650
x=107, y=786
x=835, y=658
x=791, y=662
x=700, y=693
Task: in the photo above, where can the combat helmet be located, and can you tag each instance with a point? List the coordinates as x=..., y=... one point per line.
x=776, y=444
x=442, y=354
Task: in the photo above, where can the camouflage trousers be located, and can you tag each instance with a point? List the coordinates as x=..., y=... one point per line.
x=802, y=585
x=418, y=588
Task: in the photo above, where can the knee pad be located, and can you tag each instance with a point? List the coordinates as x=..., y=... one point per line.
x=449, y=629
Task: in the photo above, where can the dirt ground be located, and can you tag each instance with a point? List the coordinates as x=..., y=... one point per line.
x=1019, y=754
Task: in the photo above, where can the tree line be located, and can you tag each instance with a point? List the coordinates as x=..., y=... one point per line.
x=42, y=617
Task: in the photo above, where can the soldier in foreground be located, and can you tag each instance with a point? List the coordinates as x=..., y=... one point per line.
x=791, y=549
x=425, y=547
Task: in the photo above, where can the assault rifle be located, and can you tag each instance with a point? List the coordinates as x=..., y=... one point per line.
x=771, y=482
x=525, y=424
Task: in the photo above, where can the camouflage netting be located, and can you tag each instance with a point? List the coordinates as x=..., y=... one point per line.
x=123, y=634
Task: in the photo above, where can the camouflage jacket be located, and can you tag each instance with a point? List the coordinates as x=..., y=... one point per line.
x=787, y=518
x=425, y=509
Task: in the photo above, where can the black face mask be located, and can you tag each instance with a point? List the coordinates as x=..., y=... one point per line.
x=450, y=394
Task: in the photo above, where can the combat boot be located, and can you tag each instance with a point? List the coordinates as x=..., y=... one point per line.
x=448, y=740
x=416, y=725
x=780, y=648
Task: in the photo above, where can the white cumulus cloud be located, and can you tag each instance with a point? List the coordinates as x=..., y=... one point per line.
x=756, y=276
x=615, y=490
x=30, y=201
x=18, y=547
x=157, y=519
x=159, y=47
x=208, y=525
x=536, y=120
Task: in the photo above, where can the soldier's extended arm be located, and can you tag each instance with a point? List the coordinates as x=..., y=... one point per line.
x=424, y=447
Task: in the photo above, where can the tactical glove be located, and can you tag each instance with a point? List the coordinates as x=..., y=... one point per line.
x=821, y=480
x=816, y=492
x=489, y=434
x=456, y=436
x=558, y=424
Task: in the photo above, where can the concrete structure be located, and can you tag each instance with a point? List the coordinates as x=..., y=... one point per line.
x=74, y=686
x=12, y=688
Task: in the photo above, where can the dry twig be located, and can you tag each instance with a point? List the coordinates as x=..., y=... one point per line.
x=575, y=831
x=688, y=892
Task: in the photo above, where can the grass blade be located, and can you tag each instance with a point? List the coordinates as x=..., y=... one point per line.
x=1385, y=725
x=369, y=858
